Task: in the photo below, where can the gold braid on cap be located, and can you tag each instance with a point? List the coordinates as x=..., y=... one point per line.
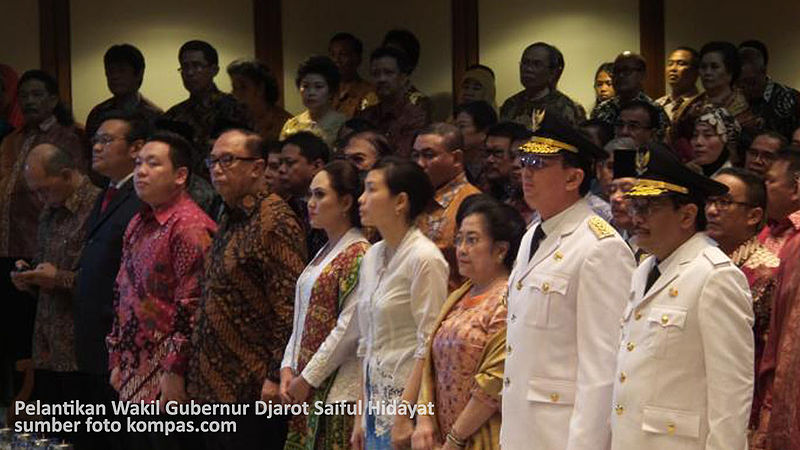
x=546, y=146
x=652, y=188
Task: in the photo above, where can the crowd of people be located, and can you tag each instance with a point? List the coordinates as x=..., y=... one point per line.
x=544, y=277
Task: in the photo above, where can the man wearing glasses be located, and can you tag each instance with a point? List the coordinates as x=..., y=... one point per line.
x=734, y=220
x=566, y=294
x=206, y=108
x=628, y=79
x=245, y=316
x=539, y=69
x=761, y=154
x=684, y=376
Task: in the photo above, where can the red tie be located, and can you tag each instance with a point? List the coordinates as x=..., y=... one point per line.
x=110, y=193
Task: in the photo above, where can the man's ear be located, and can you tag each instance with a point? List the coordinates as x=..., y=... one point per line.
x=134, y=147
x=689, y=216
x=183, y=176
x=575, y=178
x=755, y=216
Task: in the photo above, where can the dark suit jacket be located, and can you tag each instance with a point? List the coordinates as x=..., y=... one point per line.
x=98, y=267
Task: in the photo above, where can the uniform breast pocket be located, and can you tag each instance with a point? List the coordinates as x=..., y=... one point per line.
x=666, y=325
x=543, y=293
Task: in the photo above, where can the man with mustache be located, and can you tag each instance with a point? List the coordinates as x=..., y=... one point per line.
x=397, y=115
x=500, y=139
x=564, y=302
x=684, y=376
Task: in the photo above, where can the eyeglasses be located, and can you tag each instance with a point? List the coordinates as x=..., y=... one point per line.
x=765, y=156
x=621, y=124
x=226, y=161
x=724, y=203
x=537, y=161
x=104, y=140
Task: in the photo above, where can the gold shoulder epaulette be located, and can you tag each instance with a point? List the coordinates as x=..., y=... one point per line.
x=600, y=228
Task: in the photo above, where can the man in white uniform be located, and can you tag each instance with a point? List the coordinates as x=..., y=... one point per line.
x=685, y=364
x=566, y=294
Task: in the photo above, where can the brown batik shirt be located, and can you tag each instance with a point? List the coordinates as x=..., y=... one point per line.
x=245, y=316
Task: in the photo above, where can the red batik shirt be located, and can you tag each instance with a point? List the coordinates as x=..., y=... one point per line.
x=157, y=291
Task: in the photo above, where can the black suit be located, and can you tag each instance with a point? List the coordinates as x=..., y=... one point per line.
x=99, y=264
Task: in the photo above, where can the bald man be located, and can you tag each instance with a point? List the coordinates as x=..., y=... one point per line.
x=67, y=196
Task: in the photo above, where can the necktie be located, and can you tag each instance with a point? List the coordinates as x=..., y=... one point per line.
x=110, y=193
x=538, y=236
x=652, y=277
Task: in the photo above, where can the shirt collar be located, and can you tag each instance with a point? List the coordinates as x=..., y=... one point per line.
x=73, y=202
x=445, y=194
x=48, y=123
x=118, y=185
x=564, y=220
x=162, y=213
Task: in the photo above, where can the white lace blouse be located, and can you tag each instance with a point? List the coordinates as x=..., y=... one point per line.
x=399, y=301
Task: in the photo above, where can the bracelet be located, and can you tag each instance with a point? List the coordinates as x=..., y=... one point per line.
x=451, y=438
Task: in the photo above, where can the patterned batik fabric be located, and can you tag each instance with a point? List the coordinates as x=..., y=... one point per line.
x=62, y=232
x=245, y=316
x=157, y=291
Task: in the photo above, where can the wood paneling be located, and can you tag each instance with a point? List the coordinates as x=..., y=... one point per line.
x=55, y=44
x=651, y=43
x=465, y=40
x=268, y=34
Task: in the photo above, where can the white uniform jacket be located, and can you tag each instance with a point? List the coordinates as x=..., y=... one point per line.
x=563, y=328
x=685, y=365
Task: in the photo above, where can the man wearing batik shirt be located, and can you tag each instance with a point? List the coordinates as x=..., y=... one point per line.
x=776, y=104
x=775, y=384
x=783, y=202
x=628, y=79
x=207, y=108
x=354, y=93
x=68, y=197
x=539, y=70
x=733, y=221
x=683, y=68
x=158, y=285
x=398, y=114
x=438, y=150
x=245, y=318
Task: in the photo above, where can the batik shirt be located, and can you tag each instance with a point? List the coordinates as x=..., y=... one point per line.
x=438, y=222
x=62, y=232
x=609, y=110
x=157, y=291
x=245, y=317
x=19, y=207
x=204, y=117
x=519, y=108
x=399, y=121
x=779, y=108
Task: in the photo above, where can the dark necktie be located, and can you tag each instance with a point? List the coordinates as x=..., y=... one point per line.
x=538, y=236
x=652, y=277
x=110, y=193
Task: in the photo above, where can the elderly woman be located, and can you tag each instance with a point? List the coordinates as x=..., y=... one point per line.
x=255, y=87
x=318, y=80
x=603, y=85
x=714, y=140
x=477, y=84
x=402, y=287
x=464, y=368
x=719, y=69
x=319, y=363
